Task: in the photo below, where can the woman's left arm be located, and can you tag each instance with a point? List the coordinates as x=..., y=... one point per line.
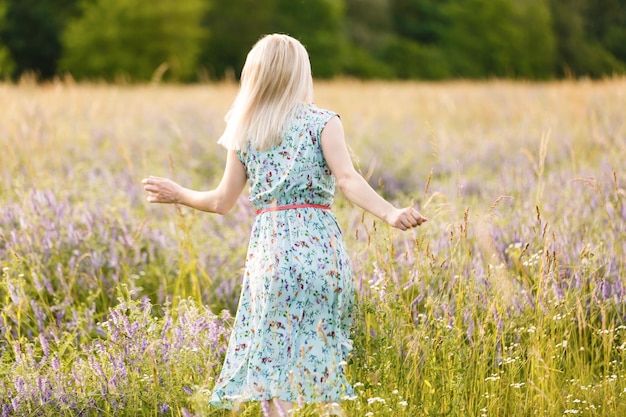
x=220, y=200
x=354, y=186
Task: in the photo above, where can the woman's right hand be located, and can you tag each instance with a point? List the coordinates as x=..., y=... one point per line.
x=405, y=218
x=162, y=190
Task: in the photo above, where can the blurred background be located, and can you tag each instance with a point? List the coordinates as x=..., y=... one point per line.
x=203, y=40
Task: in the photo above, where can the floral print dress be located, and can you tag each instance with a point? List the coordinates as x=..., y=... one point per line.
x=290, y=338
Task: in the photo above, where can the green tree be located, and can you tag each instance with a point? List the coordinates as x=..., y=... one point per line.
x=368, y=22
x=237, y=24
x=423, y=21
x=31, y=33
x=411, y=60
x=368, y=28
x=7, y=66
x=537, y=54
x=396, y=38
x=135, y=39
x=578, y=53
x=416, y=50
x=606, y=25
x=318, y=25
x=499, y=38
x=234, y=27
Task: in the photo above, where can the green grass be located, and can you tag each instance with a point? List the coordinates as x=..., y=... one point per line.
x=510, y=301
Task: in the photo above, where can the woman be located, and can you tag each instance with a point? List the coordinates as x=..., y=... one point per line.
x=290, y=340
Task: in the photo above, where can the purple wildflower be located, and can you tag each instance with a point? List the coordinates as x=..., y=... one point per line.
x=45, y=347
x=606, y=289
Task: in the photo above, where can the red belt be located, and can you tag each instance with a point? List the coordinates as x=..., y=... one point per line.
x=291, y=206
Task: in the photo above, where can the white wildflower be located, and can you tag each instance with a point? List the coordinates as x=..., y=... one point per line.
x=373, y=400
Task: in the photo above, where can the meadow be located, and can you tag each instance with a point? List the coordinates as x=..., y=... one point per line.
x=509, y=301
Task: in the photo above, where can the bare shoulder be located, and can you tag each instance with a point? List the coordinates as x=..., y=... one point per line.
x=334, y=146
x=333, y=128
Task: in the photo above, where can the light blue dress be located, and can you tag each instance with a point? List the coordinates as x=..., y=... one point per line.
x=291, y=333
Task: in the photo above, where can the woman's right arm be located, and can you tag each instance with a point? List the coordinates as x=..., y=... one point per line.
x=220, y=200
x=354, y=186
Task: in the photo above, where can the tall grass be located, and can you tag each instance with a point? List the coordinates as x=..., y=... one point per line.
x=510, y=301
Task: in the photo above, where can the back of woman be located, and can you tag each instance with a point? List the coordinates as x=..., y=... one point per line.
x=293, y=319
x=294, y=171
x=290, y=340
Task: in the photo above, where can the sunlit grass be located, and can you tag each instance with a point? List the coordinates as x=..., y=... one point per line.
x=508, y=302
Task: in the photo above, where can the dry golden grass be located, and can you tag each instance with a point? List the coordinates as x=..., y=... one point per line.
x=509, y=301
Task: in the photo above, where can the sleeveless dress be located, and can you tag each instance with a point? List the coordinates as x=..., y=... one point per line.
x=291, y=334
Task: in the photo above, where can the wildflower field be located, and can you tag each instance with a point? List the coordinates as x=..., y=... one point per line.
x=509, y=301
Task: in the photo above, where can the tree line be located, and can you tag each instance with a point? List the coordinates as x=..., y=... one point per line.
x=191, y=40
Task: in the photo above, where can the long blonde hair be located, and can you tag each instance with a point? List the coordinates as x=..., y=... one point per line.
x=275, y=79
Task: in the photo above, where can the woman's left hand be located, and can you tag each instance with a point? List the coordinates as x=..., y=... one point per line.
x=406, y=218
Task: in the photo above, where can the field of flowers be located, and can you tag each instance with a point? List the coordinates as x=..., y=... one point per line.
x=510, y=301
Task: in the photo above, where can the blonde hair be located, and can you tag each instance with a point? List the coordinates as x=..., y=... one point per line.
x=275, y=79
